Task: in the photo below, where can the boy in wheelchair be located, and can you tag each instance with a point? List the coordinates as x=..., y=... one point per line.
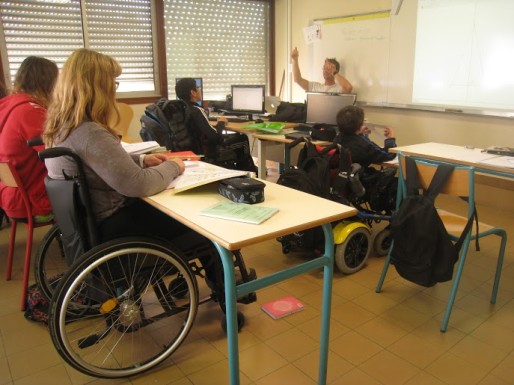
x=370, y=190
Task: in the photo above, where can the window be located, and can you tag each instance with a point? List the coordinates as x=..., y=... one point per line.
x=225, y=42
x=54, y=29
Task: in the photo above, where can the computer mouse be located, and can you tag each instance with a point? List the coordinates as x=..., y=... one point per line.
x=259, y=121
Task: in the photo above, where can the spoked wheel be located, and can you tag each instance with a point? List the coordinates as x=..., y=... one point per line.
x=50, y=262
x=113, y=314
x=351, y=255
x=382, y=242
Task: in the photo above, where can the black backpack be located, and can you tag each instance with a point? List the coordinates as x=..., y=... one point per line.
x=422, y=251
x=311, y=176
x=166, y=122
x=290, y=112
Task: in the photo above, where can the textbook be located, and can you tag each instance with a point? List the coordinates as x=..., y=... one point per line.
x=282, y=307
x=240, y=212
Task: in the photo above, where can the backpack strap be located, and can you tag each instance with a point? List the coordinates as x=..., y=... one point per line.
x=411, y=177
x=440, y=178
x=467, y=229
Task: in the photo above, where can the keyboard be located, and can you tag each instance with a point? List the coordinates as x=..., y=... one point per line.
x=230, y=119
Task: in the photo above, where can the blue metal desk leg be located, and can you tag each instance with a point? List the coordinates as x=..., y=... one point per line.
x=231, y=313
x=328, y=271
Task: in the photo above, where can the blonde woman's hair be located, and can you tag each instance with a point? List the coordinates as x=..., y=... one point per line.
x=85, y=91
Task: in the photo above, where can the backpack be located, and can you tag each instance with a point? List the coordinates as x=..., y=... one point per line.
x=381, y=187
x=422, y=251
x=311, y=176
x=37, y=306
x=290, y=112
x=166, y=122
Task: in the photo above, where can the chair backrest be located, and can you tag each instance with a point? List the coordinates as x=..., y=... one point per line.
x=9, y=177
x=71, y=205
x=460, y=183
x=126, y=115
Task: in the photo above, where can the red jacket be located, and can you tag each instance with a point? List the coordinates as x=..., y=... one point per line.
x=21, y=118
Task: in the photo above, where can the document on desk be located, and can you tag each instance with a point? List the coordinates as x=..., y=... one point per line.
x=240, y=212
x=500, y=161
x=198, y=173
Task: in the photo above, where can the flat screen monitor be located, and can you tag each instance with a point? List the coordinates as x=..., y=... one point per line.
x=248, y=99
x=199, y=83
x=322, y=108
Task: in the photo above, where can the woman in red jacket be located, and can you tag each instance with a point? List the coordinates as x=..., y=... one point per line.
x=22, y=115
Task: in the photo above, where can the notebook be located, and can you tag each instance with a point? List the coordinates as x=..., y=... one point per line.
x=282, y=307
x=240, y=212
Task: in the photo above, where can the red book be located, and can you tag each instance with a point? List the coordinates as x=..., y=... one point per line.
x=184, y=155
x=282, y=307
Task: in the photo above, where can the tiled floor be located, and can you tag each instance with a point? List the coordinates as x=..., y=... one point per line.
x=390, y=338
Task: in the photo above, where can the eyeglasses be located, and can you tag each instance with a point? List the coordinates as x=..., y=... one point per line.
x=116, y=84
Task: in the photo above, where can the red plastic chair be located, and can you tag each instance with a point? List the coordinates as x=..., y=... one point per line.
x=10, y=178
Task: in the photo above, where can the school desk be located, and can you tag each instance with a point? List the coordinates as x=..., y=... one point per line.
x=228, y=235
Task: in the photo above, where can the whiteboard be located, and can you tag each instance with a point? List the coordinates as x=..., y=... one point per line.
x=405, y=60
x=361, y=45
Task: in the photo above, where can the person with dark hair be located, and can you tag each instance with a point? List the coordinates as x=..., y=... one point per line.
x=334, y=80
x=22, y=115
x=352, y=136
x=3, y=91
x=213, y=142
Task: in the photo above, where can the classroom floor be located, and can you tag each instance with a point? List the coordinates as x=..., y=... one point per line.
x=390, y=338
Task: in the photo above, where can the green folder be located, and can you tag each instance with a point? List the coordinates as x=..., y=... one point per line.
x=271, y=128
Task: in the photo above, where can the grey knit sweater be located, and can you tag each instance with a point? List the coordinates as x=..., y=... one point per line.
x=113, y=176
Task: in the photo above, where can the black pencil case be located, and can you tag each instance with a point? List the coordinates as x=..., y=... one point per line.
x=242, y=190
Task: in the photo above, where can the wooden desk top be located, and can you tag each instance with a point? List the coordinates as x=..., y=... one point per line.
x=297, y=211
x=475, y=157
x=281, y=138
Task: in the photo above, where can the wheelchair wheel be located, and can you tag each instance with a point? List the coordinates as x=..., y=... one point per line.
x=50, y=262
x=113, y=315
x=382, y=242
x=351, y=255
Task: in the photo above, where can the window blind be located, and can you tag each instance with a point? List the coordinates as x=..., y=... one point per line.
x=54, y=29
x=224, y=42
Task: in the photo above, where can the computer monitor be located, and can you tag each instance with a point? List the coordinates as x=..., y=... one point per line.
x=322, y=108
x=248, y=99
x=199, y=83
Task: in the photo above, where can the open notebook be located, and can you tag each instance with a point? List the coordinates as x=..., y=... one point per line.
x=198, y=173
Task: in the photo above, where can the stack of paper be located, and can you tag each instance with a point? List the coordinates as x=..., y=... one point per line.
x=140, y=147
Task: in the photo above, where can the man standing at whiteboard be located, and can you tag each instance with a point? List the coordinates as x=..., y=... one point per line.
x=334, y=81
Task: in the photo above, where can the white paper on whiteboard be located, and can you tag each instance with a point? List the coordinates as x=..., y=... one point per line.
x=312, y=33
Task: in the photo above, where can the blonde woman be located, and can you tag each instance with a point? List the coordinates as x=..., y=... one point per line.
x=78, y=118
x=22, y=115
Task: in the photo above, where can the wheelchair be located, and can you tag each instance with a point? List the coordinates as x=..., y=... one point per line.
x=372, y=192
x=121, y=307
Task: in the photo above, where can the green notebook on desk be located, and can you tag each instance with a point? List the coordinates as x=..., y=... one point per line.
x=240, y=212
x=270, y=128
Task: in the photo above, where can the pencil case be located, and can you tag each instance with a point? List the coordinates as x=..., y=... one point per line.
x=242, y=190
